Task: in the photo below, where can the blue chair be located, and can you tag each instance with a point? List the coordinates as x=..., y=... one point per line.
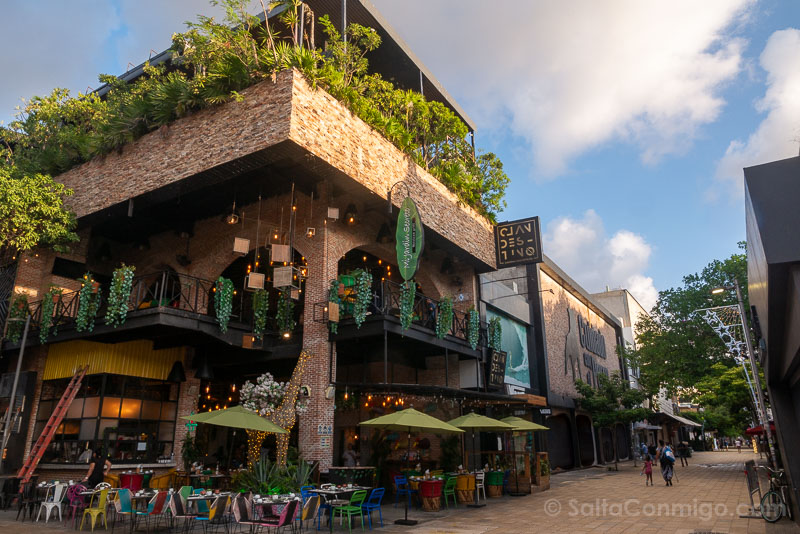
x=506, y=483
x=305, y=492
x=401, y=483
x=123, y=506
x=374, y=503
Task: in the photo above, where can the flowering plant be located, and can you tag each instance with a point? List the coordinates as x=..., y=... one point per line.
x=265, y=396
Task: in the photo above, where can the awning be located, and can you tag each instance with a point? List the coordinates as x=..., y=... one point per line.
x=755, y=430
x=678, y=419
x=645, y=426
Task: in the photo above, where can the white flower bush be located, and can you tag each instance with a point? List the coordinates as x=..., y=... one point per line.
x=265, y=396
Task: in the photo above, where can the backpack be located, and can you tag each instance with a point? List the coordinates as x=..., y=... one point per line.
x=668, y=454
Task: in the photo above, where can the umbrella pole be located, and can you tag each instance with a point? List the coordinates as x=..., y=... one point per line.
x=476, y=504
x=407, y=521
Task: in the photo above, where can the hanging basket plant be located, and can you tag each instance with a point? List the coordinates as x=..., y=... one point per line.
x=495, y=334
x=119, y=293
x=363, y=296
x=285, y=315
x=408, y=291
x=88, y=303
x=223, y=302
x=18, y=312
x=334, y=298
x=444, y=317
x=473, y=328
x=48, y=308
x=260, y=309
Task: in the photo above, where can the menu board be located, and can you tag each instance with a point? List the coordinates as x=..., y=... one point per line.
x=497, y=369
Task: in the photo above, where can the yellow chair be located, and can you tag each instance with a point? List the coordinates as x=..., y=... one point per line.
x=162, y=482
x=97, y=510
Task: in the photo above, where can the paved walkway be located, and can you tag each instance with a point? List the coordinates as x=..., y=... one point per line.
x=707, y=497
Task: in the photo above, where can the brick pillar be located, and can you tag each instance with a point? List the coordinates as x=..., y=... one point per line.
x=187, y=403
x=322, y=266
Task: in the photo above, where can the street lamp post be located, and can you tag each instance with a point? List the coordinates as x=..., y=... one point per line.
x=12, y=402
x=756, y=378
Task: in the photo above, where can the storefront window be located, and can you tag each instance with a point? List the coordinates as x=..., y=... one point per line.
x=132, y=418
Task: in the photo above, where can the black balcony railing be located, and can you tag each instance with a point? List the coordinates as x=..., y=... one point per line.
x=164, y=289
x=386, y=299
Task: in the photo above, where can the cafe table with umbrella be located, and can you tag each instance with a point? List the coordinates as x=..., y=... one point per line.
x=520, y=425
x=410, y=420
x=481, y=423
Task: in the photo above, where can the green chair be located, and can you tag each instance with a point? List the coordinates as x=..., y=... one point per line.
x=97, y=510
x=450, y=490
x=354, y=508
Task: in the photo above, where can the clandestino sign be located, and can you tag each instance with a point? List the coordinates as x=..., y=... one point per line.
x=409, y=239
x=518, y=242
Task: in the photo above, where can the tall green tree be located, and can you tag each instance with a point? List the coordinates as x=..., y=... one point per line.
x=32, y=213
x=613, y=402
x=676, y=347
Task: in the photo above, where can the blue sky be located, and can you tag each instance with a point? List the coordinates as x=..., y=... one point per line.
x=623, y=124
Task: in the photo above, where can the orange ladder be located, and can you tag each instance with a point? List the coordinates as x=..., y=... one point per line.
x=29, y=466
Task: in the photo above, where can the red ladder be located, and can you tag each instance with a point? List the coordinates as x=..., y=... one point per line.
x=29, y=466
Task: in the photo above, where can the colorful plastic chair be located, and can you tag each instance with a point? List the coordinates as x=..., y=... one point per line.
x=403, y=488
x=99, y=509
x=449, y=490
x=53, y=500
x=354, y=508
x=155, y=509
x=374, y=503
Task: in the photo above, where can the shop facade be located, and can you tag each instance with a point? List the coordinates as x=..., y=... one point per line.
x=286, y=179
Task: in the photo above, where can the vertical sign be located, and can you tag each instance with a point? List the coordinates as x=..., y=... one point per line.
x=409, y=239
x=518, y=242
x=497, y=369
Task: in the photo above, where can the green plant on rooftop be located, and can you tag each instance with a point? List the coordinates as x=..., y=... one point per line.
x=214, y=60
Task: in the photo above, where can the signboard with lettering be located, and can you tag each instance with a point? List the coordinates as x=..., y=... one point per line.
x=518, y=242
x=497, y=369
x=409, y=239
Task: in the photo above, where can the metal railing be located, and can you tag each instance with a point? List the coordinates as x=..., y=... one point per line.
x=386, y=300
x=163, y=289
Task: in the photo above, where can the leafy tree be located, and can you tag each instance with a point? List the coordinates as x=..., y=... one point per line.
x=726, y=399
x=676, y=348
x=32, y=213
x=613, y=402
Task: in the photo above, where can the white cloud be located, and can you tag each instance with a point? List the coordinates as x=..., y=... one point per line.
x=582, y=248
x=778, y=135
x=571, y=76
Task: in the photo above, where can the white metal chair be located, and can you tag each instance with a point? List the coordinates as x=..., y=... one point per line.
x=479, y=485
x=54, y=499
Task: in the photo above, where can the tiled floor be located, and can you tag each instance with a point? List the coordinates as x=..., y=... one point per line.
x=707, y=497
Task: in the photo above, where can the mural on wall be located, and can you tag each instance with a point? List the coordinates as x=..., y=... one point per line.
x=515, y=344
x=585, y=345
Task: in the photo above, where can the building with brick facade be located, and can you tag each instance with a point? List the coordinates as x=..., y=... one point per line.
x=308, y=183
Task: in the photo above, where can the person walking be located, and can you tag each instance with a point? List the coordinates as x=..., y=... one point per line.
x=683, y=453
x=647, y=469
x=666, y=458
x=651, y=451
x=644, y=450
x=739, y=445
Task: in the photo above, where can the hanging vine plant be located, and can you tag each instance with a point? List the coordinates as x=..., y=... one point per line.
x=285, y=315
x=223, y=302
x=88, y=303
x=473, y=328
x=18, y=312
x=48, y=308
x=334, y=298
x=260, y=309
x=119, y=293
x=495, y=334
x=444, y=317
x=408, y=291
x=363, y=295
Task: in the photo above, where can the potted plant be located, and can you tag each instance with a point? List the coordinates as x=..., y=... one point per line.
x=285, y=314
x=543, y=471
x=495, y=334
x=88, y=303
x=363, y=290
x=119, y=294
x=48, y=307
x=408, y=292
x=260, y=309
x=444, y=318
x=18, y=312
x=473, y=328
x=223, y=302
x=335, y=298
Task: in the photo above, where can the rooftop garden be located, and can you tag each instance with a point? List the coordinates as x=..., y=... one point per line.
x=212, y=62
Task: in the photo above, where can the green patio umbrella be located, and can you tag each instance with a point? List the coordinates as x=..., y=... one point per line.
x=481, y=423
x=410, y=420
x=521, y=425
x=237, y=417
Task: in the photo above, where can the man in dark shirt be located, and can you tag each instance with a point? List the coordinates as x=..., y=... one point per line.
x=97, y=469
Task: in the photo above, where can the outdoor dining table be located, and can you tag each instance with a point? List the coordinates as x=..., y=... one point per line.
x=331, y=495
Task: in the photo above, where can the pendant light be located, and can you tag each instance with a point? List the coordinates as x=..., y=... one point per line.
x=204, y=372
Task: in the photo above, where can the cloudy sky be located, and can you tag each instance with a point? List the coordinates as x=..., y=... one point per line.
x=623, y=124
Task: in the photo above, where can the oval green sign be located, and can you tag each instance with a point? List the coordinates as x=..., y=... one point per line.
x=409, y=239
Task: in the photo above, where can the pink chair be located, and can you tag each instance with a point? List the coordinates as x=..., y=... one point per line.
x=75, y=502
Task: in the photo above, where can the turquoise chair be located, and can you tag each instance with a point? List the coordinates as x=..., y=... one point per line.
x=200, y=506
x=122, y=506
